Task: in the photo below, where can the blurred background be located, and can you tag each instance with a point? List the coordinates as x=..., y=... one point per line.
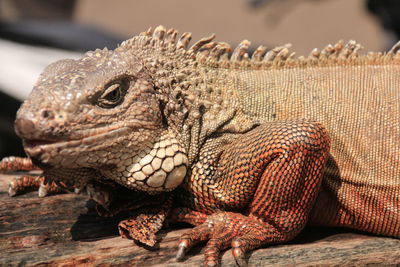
x=34, y=33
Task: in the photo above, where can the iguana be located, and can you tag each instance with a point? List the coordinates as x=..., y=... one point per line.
x=247, y=149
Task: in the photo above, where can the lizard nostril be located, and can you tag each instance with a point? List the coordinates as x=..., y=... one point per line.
x=46, y=114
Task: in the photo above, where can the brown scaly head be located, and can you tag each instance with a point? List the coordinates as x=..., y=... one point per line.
x=112, y=111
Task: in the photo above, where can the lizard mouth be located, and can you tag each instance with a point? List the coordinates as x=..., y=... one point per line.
x=37, y=142
x=37, y=147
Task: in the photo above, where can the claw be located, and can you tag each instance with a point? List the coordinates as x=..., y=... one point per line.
x=79, y=190
x=182, y=248
x=43, y=190
x=241, y=262
x=11, y=190
x=238, y=254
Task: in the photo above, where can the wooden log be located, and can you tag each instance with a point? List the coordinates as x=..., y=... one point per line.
x=65, y=230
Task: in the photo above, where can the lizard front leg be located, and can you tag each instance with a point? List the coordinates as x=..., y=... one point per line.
x=49, y=181
x=27, y=182
x=260, y=189
x=147, y=213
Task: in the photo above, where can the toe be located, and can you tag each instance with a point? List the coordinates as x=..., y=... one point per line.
x=191, y=238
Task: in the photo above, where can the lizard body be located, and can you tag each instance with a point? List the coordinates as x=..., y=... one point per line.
x=243, y=143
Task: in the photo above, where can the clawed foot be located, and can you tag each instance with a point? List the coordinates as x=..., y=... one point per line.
x=147, y=213
x=146, y=222
x=227, y=229
x=27, y=182
x=142, y=228
x=32, y=183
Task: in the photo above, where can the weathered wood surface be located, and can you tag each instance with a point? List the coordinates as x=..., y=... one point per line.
x=64, y=230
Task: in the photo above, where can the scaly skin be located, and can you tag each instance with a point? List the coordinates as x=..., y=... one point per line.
x=240, y=143
x=286, y=157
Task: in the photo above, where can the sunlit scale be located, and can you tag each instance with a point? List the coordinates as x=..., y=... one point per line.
x=161, y=168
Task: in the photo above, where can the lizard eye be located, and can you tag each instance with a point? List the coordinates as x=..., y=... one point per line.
x=113, y=94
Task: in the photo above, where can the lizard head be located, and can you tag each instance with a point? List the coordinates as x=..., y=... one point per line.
x=107, y=112
x=122, y=112
x=89, y=108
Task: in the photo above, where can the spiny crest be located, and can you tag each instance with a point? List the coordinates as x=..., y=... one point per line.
x=207, y=50
x=339, y=50
x=395, y=49
x=204, y=46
